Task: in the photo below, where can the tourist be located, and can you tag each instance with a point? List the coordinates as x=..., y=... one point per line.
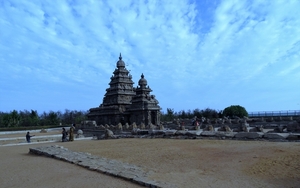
x=28, y=136
x=71, y=136
x=64, y=135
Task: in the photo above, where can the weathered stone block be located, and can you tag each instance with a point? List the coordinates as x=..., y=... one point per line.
x=276, y=135
x=226, y=134
x=170, y=132
x=180, y=132
x=194, y=132
x=293, y=136
x=250, y=135
x=208, y=133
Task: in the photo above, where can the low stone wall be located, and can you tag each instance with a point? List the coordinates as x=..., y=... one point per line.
x=114, y=168
x=21, y=140
x=184, y=134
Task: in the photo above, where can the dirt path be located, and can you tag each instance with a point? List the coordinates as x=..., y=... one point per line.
x=20, y=169
x=184, y=163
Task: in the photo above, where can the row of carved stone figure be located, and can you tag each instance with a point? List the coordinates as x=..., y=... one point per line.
x=129, y=127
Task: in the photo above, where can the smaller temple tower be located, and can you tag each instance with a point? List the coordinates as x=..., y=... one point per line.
x=144, y=107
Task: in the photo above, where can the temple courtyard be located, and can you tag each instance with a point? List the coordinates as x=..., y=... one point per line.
x=178, y=162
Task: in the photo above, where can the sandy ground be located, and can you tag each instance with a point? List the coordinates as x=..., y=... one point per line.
x=183, y=163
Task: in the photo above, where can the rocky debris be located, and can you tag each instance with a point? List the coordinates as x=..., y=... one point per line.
x=114, y=168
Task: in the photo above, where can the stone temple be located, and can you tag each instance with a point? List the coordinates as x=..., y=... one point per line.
x=123, y=103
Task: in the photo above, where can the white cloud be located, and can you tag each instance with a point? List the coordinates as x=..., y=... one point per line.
x=232, y=45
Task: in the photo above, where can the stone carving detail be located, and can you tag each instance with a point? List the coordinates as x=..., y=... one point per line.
x=126, y=126
x=209, y=128
x=108, y=134
x=120, y=127
x=134, y=126
x=161, y=127
x=142, y=126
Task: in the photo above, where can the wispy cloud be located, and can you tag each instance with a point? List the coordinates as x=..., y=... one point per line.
x=195, y=51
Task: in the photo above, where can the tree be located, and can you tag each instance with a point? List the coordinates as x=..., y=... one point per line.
x=170, y=114
x=53, y=118
x=210, y=113
x=34, y=118
x=235, y=110
x=12, y=119
x=197, y=113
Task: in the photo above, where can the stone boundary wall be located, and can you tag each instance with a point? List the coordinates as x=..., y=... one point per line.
x=194, y=134
x=114, y=168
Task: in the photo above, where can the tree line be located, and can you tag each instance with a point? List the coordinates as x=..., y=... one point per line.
x=232, y=111
x=31, y=118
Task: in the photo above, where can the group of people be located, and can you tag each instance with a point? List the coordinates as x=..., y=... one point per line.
x=64, y=134
x=71, y=134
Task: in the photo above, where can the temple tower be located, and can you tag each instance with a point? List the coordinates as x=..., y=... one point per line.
x=144, y=107
x=117, y=98
x=122, y=103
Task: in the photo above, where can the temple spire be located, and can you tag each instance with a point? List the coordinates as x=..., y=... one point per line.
x=120, y=56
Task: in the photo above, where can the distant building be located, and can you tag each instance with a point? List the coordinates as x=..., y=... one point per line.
x=124, y=103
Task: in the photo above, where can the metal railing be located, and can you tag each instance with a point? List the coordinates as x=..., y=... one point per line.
x=274, y=113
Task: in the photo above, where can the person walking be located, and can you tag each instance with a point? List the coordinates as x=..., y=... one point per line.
x=28, y=136
x=72, y=129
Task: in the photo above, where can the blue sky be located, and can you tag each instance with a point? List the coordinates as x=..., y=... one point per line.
x=60, y=54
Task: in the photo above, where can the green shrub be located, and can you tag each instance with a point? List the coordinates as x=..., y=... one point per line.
x=235, y=111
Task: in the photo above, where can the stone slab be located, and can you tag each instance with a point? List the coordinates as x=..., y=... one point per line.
x=276, y=135
x=114, y=168
x=226, y=134
x=195, y=132
x=251, y=135
x=208, y=133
